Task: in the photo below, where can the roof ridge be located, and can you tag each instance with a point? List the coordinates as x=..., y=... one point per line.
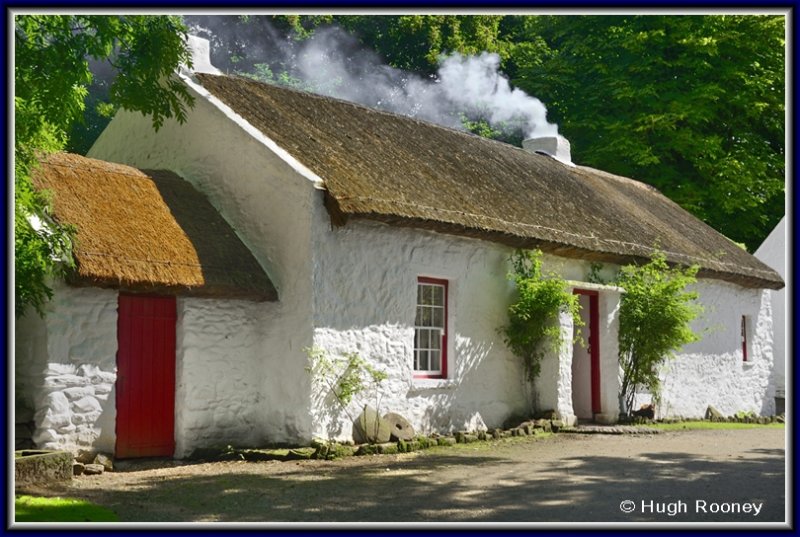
x=465, y=133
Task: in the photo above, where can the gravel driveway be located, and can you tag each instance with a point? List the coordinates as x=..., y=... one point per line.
x=700, y=476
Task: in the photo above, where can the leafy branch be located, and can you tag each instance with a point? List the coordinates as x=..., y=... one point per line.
x=533, y=317
x=345, y=377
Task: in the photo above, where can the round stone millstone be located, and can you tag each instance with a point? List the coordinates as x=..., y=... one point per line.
x=399, y=426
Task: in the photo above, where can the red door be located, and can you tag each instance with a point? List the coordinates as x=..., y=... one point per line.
x=594, y=346
x=145, y=376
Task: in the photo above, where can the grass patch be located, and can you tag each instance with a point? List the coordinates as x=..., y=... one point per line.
x=696, y=425
x=39, y=509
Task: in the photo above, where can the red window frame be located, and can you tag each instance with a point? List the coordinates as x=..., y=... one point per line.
x=744, y=338
x=445, y=284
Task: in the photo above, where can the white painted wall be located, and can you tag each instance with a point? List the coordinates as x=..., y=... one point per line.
x=266, y=197
x=217, y=388
x=553, y=386
x=773, y=252
x=365, y=278
x=712, y=371
x=65, y=370
x=610, y=371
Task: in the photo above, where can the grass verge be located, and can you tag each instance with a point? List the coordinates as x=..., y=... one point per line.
x=40, y=509
x=696, y=425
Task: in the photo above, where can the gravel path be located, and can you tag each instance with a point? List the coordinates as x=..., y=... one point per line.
x=565, y=478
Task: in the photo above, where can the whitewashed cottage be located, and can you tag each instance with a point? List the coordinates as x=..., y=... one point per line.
x=314, y=222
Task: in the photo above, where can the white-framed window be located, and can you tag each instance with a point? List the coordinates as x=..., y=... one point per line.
x=430, y=329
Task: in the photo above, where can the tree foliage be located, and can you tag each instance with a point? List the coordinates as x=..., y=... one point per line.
x=655, y=315
x=533, y=325
x=51, y=76
x=693, y=105
x=410, y=42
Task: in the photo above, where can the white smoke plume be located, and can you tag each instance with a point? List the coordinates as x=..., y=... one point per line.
x=332, y=62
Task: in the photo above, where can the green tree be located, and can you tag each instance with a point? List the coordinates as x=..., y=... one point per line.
x=693, y=105
x=51, y=76
x=655, y=315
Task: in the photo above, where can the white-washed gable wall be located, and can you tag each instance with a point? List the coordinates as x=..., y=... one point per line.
x=267, y=203
x=773, y=252
x=712, y=371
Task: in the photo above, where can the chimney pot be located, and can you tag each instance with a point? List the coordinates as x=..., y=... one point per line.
x=200, y=50
x=556, y=146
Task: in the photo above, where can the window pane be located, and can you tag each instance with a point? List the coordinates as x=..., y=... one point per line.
x=436, y=339
x=438, y=317
x=427, y=294
x=438, y=295
x=418, y=320
x=423, y=360
x=416, y=360
x=427, y=317
x=436, y=361
x=419, y=294
x=416, y=339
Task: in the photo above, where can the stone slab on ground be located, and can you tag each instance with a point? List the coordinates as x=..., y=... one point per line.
x=42, y=467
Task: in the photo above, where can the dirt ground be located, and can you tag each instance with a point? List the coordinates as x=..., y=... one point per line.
x=564, y=478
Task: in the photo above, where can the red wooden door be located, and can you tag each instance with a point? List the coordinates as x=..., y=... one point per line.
x=145, y=376
x=594, y=346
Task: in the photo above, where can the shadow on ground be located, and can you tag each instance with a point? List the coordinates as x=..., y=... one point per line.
x=446, y=488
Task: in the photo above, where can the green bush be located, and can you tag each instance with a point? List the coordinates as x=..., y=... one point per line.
x=655, y=315
x=533, y=317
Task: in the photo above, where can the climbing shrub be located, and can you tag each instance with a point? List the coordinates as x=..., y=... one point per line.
x=655, y=315
x=345, y=377
x=533, y=318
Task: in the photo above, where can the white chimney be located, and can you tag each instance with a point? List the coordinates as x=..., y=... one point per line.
x=201, y=56
x=556, y=146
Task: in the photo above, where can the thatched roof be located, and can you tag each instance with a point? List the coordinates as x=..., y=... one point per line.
x=396, y=169
x=148, y=231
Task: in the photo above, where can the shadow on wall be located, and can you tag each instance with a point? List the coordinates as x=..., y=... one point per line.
x=223, y=266
x=453, y=488
x=472, y=403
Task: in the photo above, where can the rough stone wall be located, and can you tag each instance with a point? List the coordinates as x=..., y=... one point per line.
x=66, y=370
x=711, y=371
x=266, y=197
x=218, y=347
x=365, y=278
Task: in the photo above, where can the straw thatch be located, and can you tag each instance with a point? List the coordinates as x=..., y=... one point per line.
x=148, y=231
x=403, y=171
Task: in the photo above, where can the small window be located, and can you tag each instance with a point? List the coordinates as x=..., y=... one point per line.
x=430, y=329
x=744, y=338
